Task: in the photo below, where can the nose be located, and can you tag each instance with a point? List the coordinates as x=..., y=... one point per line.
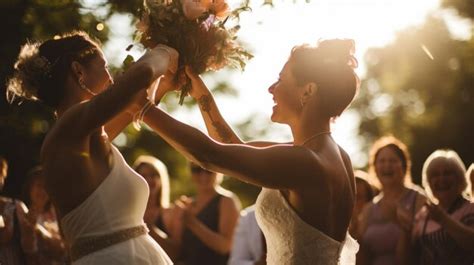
x=271, y=88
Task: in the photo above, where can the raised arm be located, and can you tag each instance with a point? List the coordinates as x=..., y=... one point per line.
x=279, y=166
x=102, y=108
x=216, y=125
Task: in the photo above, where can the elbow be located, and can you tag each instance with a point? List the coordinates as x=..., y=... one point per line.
x=144, y=74
x=206, y=155
x=224, y=249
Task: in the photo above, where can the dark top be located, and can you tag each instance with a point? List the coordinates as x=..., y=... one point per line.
x=435, y=246
x=194, y=251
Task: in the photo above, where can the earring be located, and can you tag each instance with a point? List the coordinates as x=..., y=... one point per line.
x=302, y=103
x=84, y=87
x=81, y=83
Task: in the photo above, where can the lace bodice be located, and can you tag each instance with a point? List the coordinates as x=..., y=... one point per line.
x=291, y=241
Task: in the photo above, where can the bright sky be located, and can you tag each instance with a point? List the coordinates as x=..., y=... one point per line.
x=270, y=33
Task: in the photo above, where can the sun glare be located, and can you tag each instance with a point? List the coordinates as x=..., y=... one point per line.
x=271, y=32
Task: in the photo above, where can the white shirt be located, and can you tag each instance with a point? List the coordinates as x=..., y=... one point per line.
x=247, y=245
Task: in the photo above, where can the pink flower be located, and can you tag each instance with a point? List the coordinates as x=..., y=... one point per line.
x=192, y=9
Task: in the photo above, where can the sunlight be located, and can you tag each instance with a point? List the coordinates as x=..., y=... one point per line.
x=271, y=32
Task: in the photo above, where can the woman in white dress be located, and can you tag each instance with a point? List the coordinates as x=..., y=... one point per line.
x=99, y=199
x=305, y=207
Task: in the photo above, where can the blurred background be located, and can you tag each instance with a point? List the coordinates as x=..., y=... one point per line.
x=416, y=66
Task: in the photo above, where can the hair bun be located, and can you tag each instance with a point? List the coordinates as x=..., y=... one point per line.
x=338, y=51
x=31, y=69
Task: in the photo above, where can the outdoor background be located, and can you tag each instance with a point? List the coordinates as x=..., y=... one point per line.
x=416, y=65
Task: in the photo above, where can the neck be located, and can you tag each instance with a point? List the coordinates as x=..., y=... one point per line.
x=393, y=191
x=304, y=132
x=74, y=95
x=204, y=194
x=448, y=203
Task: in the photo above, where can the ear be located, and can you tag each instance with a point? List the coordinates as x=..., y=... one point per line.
x=77, y=70
x=309, y=90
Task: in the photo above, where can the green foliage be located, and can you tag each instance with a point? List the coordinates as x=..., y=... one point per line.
x=428, y=103
x=23, y=128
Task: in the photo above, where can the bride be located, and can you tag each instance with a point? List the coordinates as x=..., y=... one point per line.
x=100, y=200
x=305, y=207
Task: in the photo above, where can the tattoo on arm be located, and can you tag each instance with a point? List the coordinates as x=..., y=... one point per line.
x=223, y=132
x=205, y=103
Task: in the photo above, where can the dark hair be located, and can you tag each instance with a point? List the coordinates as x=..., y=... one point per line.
x=400, y=150
x=42, y=68
x=363, y=178
x=330, y=65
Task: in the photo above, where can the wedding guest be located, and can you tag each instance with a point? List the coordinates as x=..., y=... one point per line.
x=14, y=247
x=316, y=84
x=249, y=247
x=365, y=192
x=209, y=220
x=383, y=220
x=158, y=214
x=100, y=200
x=443, y=232
x=42, y=222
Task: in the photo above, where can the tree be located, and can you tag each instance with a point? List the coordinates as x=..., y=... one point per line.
x=419, y=88
x=23, y=128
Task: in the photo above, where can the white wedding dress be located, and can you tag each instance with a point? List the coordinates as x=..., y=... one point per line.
x=118, y=203
x=291, y=241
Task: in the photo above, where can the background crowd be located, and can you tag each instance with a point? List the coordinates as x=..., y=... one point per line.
x=395, y=221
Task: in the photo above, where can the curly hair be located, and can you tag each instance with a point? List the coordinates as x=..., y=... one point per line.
x=41, y=69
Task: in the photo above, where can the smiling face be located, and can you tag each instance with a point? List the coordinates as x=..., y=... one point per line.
x=97, y=77
x=286, y=96
x=389, y=167
x=444, y=180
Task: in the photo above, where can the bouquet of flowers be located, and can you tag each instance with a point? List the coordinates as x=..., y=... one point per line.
x=196, y=29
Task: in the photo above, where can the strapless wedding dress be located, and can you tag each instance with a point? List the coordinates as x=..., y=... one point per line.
x=116, y=205
x=291, y=241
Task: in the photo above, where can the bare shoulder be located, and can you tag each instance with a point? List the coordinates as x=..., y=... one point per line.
x=229, y=199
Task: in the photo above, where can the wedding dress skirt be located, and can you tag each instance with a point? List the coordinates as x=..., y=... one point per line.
x=291, y=241
x=117, y=204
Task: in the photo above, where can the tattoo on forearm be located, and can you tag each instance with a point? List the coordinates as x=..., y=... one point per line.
x=205, y=103
x=224, y=134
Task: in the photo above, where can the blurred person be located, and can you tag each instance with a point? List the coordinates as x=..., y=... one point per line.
x=208, y=220
x=99, y=199
x=365, y=192
x=49, y=247
x=249, y=247
x=384, y=219
x=15, y=247
x=158, y=214
x=443, y=232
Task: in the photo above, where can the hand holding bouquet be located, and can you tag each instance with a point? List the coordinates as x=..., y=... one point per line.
x=196, y=29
